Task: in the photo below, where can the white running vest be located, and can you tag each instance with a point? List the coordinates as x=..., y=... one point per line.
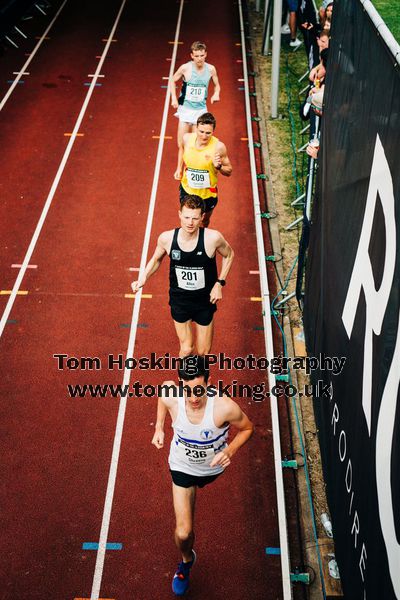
x=194, y=446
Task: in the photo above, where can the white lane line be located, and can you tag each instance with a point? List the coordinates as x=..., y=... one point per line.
x=21, y=71
x=268, y=338
x=98, y=572
x=56, y=181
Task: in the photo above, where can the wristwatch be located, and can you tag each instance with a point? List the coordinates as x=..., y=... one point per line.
x=221, y=282
x=219, y=167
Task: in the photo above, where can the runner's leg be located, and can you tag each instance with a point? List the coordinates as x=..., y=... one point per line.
x=204, y=338
x=184, y=502
x=182, y=129
x=207, y=217
x=185, y=336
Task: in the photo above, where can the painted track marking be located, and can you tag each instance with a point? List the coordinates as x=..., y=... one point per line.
x=16, y=266
x=57, y=178
x=31, y=55
x=98, y=572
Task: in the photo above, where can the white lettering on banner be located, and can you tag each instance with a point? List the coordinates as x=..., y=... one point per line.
x=361, y=564
x=351, y=501
x=380, y=185
x=335, y=417
x=340, y=434
x=384, y=443
x=355, y=530
x=342, y=446
x=349, y=476
x=362, y=277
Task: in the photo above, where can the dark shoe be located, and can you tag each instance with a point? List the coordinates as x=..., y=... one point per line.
x=180, y=582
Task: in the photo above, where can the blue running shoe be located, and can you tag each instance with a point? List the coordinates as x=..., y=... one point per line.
x=180, y=582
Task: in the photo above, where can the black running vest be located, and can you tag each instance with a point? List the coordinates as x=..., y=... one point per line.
x=192, y=275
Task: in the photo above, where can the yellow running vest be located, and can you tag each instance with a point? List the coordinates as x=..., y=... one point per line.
x=200, y=175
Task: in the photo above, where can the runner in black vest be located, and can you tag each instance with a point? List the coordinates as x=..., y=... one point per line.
x=192, y=275
x=195, y=287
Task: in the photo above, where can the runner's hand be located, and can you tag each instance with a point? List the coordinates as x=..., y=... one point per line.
x=217, y=160
x=158, y=439
x=174, y=103
x=214, y=98
x=216, y=293
x=178, y=174
x=221, y=458
x=136, y=285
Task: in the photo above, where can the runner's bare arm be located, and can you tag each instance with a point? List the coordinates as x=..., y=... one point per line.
x=154, y=262
x=236, y=417
x=162, y=410
x=217, y=88
x=176, y=77
x=179, y=169
x=158, y=437
x=227, y=253
x=221, y=161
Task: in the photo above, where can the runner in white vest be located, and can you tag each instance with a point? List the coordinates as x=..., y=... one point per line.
x=199, y=450
x=192, y=102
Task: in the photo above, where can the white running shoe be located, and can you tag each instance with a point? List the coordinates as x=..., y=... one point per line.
x=285, y=29
x=295, y=43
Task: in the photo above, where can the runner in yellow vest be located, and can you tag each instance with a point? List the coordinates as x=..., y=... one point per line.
x=201, y=158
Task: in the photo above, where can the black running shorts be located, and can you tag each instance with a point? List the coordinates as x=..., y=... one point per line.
x=200, y=313
x=184, y=480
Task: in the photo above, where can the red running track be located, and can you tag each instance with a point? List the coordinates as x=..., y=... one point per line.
x=56, y=451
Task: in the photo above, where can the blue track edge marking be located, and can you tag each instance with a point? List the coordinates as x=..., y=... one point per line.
x=272, y=550
x=95, y=546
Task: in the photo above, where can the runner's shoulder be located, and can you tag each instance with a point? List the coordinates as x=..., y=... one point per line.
x=165, y=239
x=182, y=69
x=213, y=237
x=220, y=147
x=226, y=408
x=185, y=69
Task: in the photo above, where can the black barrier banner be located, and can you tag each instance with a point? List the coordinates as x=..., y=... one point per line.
x=352, y=303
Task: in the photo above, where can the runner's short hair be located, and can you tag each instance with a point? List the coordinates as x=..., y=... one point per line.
x=198, y=46
x=193, y=366
x=207, y=119
x=193, y=201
